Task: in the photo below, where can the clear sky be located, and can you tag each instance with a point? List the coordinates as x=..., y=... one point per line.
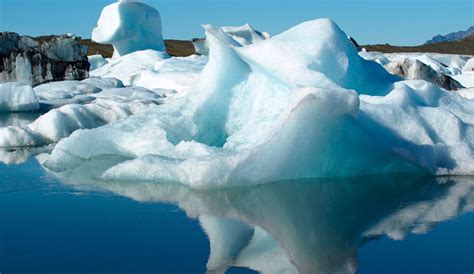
x=399, y=22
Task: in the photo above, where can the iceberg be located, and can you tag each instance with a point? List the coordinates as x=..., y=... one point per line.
x=176, y=74
x=301, y=104
x=455, y=63
x=244, y=35
x=56, y=94
x=129, y=26
x=96, y=61
x=445, y=70
x=16, y=97
x=447, y=64
x=127, y=68
x=153, y=70
x=64, y=90
x=106, y=107
x=414, y=69
x=103, y=83
x=469, y=66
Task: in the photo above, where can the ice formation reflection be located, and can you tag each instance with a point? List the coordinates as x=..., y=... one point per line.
x=303, y=226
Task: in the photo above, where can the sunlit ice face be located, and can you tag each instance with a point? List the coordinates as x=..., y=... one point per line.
x=108, y=24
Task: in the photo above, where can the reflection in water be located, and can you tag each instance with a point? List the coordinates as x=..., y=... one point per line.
x=308, y=226
x=21, y=155
x=18, y=118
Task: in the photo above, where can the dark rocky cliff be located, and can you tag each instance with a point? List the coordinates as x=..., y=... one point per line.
x=29, y=61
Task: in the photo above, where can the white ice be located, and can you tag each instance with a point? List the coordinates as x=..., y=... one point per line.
x=469, y=66
x=176, y=74
x=127, y=68
x=467, y=93
x=301, y=104
x=466, y=79
x=129, y=26
x=15, y=97
x=106, y=107
x=449, y=64
x=56, y=94
x=457, y=67
x=96, y=61
x=103, y=83
x=150, y=69
x=64, y=90
x=244, y=35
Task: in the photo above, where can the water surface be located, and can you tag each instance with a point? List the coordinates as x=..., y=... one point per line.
x=383, y=224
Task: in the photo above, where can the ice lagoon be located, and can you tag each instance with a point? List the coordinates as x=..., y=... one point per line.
x=287, y=154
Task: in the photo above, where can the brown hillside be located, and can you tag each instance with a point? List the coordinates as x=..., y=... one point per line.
x=186, y=48
x=94, y=48
x=178, y=48
x=463, y=47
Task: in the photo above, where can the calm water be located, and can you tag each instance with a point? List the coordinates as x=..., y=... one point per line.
x=392, y=224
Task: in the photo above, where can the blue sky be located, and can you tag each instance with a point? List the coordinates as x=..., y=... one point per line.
x=401, y=22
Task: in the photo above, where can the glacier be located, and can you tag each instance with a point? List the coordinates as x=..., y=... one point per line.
x=301, y=104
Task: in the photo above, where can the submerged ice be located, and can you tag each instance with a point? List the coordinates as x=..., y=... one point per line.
x=298, y=105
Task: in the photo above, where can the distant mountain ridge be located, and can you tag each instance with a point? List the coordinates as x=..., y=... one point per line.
x=453, y=36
